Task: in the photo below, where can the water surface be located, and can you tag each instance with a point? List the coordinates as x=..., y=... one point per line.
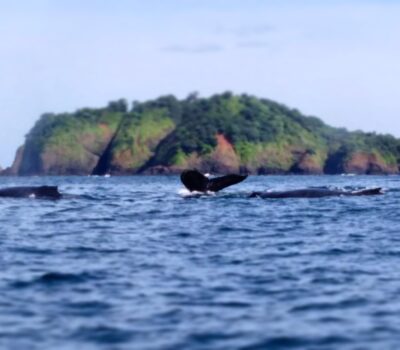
x=131, y=263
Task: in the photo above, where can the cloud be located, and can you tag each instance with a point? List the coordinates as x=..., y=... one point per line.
x=253, y=44
x=253, y=30
x=193, y=49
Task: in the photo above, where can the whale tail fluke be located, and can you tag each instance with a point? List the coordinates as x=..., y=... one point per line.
x=220, y=183
x=195, y=181
x=368, y=192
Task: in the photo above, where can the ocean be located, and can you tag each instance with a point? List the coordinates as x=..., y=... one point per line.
x=136, y=263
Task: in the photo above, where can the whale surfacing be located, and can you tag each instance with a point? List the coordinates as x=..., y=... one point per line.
x=195, y=181
x=316, y=193
x=44, y=192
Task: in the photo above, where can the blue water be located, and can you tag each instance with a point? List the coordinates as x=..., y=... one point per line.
x=131, y=263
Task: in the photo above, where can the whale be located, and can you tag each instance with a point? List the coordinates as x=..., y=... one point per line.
x=193, y=180
x=43, y=192
x=316, y=193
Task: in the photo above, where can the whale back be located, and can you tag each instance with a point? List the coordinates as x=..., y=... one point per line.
x=316, y=193
x=48, y=191
x=37, y=192
x=368, y=192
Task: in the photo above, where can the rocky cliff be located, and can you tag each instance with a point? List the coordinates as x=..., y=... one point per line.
x=223, y=133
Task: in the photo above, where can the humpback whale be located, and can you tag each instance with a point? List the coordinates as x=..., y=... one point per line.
x=316, y=193
x=45, y=192
x=195, y=181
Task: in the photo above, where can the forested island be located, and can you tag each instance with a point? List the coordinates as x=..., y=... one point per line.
x=220, y=134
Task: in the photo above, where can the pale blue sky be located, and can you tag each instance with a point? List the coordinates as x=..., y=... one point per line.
x=338, y=60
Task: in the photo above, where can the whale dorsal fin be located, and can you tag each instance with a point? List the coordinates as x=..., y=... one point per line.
x=48, y=191
x=196, y=181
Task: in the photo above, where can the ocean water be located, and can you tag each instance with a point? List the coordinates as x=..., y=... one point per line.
x=134, y=263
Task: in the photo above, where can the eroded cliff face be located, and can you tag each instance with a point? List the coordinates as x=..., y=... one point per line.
x=75, y=154
x=309, y=163
x=136, y=142
x=360, y=162
x=225, y=158
x=65, y=144
x=13, y=170
x=368, y=163
x=222, y=134
x=79, y=155
x=221, y=159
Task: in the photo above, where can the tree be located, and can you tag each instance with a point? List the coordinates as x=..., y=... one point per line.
x=120, y=106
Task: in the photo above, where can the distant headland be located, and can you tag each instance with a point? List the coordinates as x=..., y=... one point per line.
x=220, y=134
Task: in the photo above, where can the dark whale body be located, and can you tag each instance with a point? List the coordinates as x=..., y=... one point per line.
x=195, y=181
x=316, y=193
x=44, y=192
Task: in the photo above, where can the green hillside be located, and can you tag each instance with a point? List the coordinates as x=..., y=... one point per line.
x=223, y=133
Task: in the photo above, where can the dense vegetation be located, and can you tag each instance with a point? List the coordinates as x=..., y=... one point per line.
x=167, y=134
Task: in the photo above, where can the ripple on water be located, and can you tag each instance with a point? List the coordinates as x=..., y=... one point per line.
x=55, y=279
x=299, y=342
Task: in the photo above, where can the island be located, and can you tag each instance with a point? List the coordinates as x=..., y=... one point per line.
x=219, y=134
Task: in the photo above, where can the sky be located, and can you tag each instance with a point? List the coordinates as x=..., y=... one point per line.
x=338, y=60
